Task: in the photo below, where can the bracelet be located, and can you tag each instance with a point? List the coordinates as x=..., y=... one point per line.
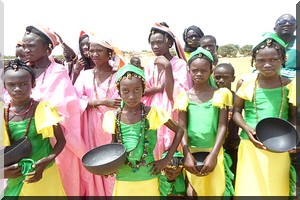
x=93, y=104
x=74, y=59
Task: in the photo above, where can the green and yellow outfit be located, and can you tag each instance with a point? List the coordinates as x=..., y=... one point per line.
x=291, y=64
x=132, y=181
x=261, y=172
x=39, y=134
x=202, y=131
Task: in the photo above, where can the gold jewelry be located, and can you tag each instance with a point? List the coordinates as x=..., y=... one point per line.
x=143, y=131
x=108, y=85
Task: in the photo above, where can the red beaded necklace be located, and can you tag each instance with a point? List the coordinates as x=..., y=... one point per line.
x=6, y=118
x=18, y=113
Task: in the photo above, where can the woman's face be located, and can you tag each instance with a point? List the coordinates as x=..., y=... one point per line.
x=34, y=47
x=192, y=39
x=159, y=45
x=99, y=54
x=131, y=91
x=268, y=61
x=200, y=71
x=84, y=45
x=18, y=84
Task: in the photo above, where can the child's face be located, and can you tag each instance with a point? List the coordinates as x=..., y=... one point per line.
x=193, y=39
x=18, y=84
x=268, y=61
x=209, y=45
x=200, y=70
x=136, y=62
x=131, y=91
x=223, y=77
x=159, y=45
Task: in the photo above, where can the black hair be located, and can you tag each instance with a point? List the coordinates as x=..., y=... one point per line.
x=87, y=60
x=187, y=47
x=18, y=64
x=226, y=66
x=269, y=43
x=210, y=37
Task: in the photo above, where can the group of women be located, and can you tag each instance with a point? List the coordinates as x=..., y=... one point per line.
x=195, y=113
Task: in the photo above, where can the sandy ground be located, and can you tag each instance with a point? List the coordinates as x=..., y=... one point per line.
x=242, y=65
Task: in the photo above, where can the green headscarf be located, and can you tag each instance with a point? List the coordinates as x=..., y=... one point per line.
x=129, y=68
x=201, y=51
x=273, y=36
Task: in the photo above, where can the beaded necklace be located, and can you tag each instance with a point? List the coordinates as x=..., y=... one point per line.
x=6, y=118
x=143, y=130
x=255, y=103
x=44, y=73
x=18, y=113
x=95, y=87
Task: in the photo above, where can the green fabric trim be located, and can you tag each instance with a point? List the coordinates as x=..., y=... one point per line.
x=293, y=178
x=202, y=51
x=16, y=184
x=129, y=68
x=229, y=176
x=176, y=187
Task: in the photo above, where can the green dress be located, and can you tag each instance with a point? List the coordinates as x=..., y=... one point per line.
x=267, y=172
x=41, y=147
x=202, y=131
x=132, y=180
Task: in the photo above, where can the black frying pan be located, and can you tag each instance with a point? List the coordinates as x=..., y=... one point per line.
x=277, y=134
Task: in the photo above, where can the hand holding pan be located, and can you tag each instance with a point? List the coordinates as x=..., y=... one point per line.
x=277, y=135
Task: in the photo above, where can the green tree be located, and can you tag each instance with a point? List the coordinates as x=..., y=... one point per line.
x=246, y=50
x=229, y=50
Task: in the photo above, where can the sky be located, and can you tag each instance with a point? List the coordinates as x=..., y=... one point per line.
x=128, y=22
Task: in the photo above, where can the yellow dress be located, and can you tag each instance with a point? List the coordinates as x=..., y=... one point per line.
x=137, y=182
x=39, y=133
x=201, y=138
x=262, y=172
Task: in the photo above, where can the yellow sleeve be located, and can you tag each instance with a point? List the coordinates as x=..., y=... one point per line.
x=181, y=102
x=246, y=90
x=109, y=122
x=292, y=92
x=222, y=98
x=157, y=117
x=46, y=115
x=5, y=139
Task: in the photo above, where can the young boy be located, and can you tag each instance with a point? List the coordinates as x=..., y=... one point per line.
x=223, y=77
x=209, y=43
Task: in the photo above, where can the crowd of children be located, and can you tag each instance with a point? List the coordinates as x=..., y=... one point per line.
x=163, y=113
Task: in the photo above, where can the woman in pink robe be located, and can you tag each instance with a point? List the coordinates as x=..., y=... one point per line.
x=96, y=88
x=166, y=77
x=53, y=84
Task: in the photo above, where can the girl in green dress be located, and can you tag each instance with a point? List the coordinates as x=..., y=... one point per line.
x=38, y=174
x=266, y=94
x=135, y=125
x=203, y=115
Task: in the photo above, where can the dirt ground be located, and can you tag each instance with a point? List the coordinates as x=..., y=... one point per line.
x=242, y=65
